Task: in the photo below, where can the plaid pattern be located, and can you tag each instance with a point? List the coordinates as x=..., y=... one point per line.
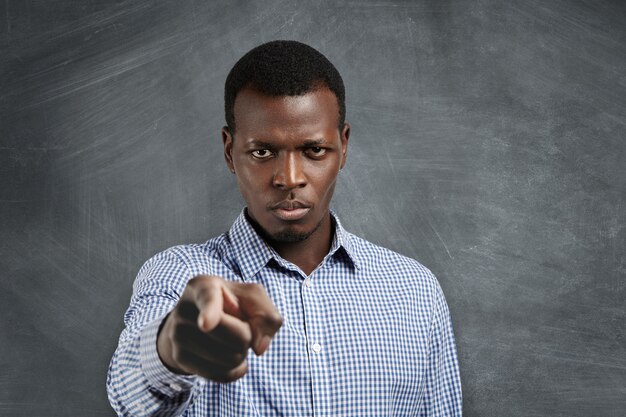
x=368, y=333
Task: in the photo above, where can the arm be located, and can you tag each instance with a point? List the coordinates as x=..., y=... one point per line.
x=138, y=383
x=179, y=328
x=442, y=393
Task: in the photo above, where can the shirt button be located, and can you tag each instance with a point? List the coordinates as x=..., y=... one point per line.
x=316, y=347
x=176, y=387
x=307, y=282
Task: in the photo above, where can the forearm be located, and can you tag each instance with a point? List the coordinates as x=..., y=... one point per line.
x=138, y=383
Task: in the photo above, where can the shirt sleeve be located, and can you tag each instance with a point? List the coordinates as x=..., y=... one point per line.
x=442, y=393
x=138, y=383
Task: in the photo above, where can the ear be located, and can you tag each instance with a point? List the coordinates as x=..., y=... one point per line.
x=227, y=139
x=345, y=136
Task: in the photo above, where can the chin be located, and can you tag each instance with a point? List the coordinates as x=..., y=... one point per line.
x=291, y=236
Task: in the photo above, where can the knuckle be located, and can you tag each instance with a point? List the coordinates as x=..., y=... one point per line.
x=202, y=280
x=253, y=287
x=239, y=371
x=194, y=282
x=202, y=292
x=179, y=356
x=238, y=358
x=233, y=361
x=245, y=341
x=241, y=345
x=274, y=320
x=234, y=374
x=236, y=341
x=179, y=334
x=198, y=278
x=246, y=338
x=270, y=320
x=185, y=310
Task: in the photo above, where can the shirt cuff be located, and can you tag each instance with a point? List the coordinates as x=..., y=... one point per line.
x=157, y=374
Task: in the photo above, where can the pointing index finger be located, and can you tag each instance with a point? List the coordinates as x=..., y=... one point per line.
x=260, y=313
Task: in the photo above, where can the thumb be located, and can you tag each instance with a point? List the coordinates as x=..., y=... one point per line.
x=206, y=294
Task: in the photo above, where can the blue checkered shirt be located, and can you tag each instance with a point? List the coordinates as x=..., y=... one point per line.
x=367, y=333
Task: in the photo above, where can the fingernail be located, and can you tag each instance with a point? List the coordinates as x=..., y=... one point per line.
x=201, y=322
x=262, y=344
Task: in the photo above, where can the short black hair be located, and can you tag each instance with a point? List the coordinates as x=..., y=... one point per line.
x=283, y=68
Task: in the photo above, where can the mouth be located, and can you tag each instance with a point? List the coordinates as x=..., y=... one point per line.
x=290, y=210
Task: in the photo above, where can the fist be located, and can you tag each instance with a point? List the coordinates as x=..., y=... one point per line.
x=213, y=325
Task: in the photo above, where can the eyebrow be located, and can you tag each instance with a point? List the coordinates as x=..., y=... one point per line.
x=307, y=143
x=314, y=142
x=260, y=144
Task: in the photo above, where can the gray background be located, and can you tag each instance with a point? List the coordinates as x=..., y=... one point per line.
x=487, y=142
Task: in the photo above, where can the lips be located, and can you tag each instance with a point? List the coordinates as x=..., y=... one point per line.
x=290, y=210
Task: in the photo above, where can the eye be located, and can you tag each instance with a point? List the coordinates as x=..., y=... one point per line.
x=316, y=151
x=261, y=153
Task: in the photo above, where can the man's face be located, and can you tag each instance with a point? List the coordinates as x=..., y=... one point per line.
x=286, y=153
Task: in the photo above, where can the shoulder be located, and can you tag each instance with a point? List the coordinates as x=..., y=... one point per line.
x=383, y=262
x=167, y=272
x=189, y=259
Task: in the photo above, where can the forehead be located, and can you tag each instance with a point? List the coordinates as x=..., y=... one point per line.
x=256, y=112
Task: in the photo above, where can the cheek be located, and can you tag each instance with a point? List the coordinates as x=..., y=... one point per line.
x=245, y=181
x=331, y=190
x=252, y=183
x=326, y=182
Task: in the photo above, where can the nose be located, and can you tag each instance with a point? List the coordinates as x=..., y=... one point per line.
x=289, y=173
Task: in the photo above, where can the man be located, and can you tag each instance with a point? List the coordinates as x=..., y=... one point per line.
x=337, y=326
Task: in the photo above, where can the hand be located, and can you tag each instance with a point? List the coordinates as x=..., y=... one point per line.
x=214, y=323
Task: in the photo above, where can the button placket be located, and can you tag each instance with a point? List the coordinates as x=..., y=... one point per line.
x=314, y=310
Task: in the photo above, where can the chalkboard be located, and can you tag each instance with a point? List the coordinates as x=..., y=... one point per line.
x=488, y=142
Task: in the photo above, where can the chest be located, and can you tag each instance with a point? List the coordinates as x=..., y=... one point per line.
x=350, y=340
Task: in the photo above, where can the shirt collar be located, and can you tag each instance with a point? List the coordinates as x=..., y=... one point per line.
x=253, y=253
x=342, y=240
